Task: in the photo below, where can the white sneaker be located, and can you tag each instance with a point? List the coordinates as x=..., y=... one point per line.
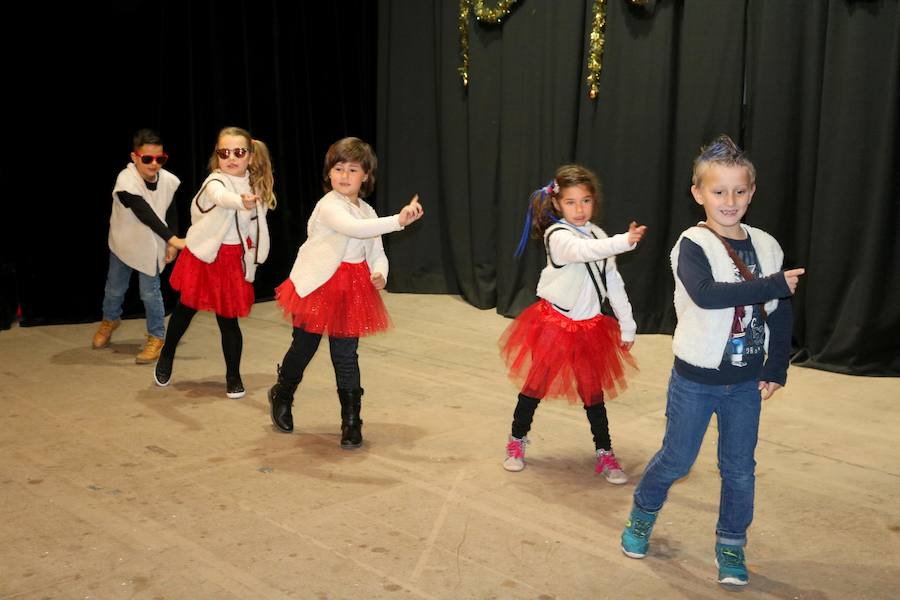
x=609, y=467
x=515, y=454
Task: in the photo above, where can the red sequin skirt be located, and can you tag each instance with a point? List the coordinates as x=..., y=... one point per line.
x=347, y=305
x=219, y=287
x=550, y=355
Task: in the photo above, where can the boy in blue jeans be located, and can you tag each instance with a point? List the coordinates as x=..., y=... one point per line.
x=731, y=345
x=139, y=240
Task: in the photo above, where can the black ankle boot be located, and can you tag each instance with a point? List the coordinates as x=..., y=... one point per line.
x=281, y=398
x=351, y=423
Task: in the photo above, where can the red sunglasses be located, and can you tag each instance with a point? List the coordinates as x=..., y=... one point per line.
x=149, y=158
x=224, y=153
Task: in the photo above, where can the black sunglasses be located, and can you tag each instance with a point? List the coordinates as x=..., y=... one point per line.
x=149, y=158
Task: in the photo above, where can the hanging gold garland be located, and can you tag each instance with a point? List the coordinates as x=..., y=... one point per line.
x=496, y=14
x=595, y=48
x=482, y=13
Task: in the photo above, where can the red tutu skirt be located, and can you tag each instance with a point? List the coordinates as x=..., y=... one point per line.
x=219, y=287
x=550, y=355
x=347, y=305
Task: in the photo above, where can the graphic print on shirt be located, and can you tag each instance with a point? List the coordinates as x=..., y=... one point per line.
x=747, y=330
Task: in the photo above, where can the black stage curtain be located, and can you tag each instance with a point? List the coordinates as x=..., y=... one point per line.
x=298, y=75
x=810, y=88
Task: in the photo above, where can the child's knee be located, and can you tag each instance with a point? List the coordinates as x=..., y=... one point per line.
x=741, y=476
x=149, y=296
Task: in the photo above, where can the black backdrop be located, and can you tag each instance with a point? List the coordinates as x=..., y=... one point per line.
x=810, y=87
x=298, y=75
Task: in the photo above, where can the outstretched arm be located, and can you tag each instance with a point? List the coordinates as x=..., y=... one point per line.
x=568, y=247
x=696, y=275
x=338, y=219
x=219, y=195
x=145, y=214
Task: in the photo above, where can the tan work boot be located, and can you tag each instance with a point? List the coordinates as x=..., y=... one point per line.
x=150, y=351
x=104, y=332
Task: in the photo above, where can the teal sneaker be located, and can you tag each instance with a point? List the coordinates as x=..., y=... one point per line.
x=732, y=567
x=636, y=537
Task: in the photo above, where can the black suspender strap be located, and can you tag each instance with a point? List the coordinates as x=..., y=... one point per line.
x=599, y=265
x=550, y=232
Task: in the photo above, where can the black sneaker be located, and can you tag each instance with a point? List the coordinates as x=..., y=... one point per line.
x=163, y=372
x=234, y=387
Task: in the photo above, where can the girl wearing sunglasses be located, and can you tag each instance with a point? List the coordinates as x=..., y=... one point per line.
x=227, y=239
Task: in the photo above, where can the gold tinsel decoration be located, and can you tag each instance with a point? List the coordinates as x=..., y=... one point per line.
x=595, y=48
x=482, y=13
x=496, y=14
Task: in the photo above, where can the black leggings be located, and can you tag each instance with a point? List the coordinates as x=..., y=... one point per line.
x=232, y=340
x=596, y=414
x=343, y=357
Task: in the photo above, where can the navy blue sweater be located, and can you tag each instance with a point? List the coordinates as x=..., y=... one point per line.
x=696, y=275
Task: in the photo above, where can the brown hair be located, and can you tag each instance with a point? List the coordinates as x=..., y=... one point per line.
x=351, y=149
x=721, y=151
x=543, y=213
x=146, y=137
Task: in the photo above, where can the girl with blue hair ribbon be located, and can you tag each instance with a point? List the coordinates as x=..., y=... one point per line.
x=563, y=345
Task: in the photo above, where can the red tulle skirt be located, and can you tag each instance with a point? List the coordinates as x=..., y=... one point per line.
x=219, y=287
x=550, y=355
x=347, y=305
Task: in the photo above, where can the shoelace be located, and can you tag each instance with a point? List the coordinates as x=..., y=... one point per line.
x=516, y=448
x=732, y=558
x=641, y=528
x=607, y=461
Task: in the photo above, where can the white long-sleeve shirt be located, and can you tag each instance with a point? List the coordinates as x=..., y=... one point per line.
x=340, y=231
x=567, y=284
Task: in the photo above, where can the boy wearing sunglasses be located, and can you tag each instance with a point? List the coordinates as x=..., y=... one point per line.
x=141, y=239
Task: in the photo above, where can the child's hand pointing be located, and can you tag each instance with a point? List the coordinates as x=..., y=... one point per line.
x=249, y=200
x=411, y=212
x=636, y=232
x=792, y=278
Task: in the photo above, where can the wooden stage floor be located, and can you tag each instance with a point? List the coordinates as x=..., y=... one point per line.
x=115, y=488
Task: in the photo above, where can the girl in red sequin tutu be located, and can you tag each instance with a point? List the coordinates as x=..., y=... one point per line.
x=563, y=345
x=227, y=239
x=334, y=285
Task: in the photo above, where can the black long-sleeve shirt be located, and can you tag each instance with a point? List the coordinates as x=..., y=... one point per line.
x=145, y=214
x=695, y=273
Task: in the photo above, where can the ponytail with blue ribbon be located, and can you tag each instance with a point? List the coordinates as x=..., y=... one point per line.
x=535, y=201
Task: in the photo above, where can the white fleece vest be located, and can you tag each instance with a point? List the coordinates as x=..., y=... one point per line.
x=701, y=334
x=134, y=243
x=210, y=224
x=562, y=285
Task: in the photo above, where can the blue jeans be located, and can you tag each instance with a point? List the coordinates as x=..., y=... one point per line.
x=117, y=280
x=689, y=408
